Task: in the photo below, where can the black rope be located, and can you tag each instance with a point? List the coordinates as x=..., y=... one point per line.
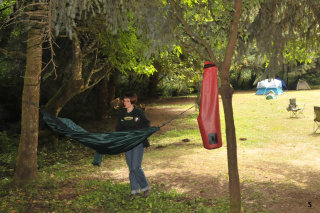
x=167, y=122
x=162, y=125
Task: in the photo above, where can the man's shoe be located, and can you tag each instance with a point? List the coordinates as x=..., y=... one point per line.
x=146, y=193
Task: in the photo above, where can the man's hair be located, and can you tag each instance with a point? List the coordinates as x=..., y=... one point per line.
x=132, y=96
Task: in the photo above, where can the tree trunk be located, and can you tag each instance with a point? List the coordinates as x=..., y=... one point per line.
x=153, y=81
x=102, y=99
x=153, y=85
x=67, y=91
x=112, y=85
x=234, y=183
x=106, y=93
x=26, y=166
x=226, y=94
x=71, y=86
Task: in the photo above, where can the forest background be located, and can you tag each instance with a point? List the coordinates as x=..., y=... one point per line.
x=93, y=51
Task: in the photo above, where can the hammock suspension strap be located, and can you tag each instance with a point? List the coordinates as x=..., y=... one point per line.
x=177, y=116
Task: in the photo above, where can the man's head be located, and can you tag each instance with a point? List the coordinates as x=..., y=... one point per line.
x=132, y=97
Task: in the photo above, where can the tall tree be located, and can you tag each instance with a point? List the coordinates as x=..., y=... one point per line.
x=223, y=61
x=26, y=166
x=52, y=18
x=41, y=18
x=219, y=30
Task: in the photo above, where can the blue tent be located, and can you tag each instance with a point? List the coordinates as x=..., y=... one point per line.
x=284, y=86
x=267, y=85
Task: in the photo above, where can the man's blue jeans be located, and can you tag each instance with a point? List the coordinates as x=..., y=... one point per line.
x=137, y=178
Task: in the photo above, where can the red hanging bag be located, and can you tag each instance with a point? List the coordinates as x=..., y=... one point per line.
x=209, y=118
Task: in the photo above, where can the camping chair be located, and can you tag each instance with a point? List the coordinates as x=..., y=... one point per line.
x=316, y=118
x=294, y=109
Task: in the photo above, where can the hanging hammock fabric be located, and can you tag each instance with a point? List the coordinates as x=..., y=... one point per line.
x=105, y=143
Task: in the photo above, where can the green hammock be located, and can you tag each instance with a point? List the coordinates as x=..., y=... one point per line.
x=104, y=143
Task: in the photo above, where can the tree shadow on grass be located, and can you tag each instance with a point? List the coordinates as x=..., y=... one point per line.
x=295, y=189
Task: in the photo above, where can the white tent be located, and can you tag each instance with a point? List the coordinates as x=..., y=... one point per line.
x=267, y=85
x=302, y=85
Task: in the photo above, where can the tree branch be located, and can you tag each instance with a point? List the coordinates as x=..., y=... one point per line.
x=231, y=43
x=12, y=53
x=189, y=31
x=88, y=49
x=51, y=41
x=89, y=79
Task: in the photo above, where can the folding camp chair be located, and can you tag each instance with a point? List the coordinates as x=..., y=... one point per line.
x=316, y=118
x=294, y=109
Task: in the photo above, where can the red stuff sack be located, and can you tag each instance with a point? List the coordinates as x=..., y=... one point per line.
x=209, y=118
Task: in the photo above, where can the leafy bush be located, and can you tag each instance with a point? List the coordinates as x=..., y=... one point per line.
x=242, y=79
x=175, y=86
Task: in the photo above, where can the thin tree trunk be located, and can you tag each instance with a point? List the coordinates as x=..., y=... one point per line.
x=67, y=91
x=106, y=93
x=154, y=81
x=153, y=85
x=234, y=183
x=226, y=94
x=26, y=166
x=112, y=85
x=102, y=99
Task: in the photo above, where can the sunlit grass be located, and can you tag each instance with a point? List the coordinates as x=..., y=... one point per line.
x=257, y=120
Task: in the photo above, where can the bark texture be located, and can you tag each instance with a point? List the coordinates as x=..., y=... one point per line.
x=26, y=166
x=226, y=94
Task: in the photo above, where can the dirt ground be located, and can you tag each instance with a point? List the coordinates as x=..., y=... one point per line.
x=283, y=184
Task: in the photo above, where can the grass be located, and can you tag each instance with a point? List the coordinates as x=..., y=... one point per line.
x=51, y=194
x=278, y=160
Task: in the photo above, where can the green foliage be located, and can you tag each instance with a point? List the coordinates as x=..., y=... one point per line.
x=8, y=154
x=133, y=81
x=180, y=72
x=6, y=7
x=125, y=52
x=282, y=31
x=210, y=20
x=175, y=86
x=8, y=144
x=12, y=64
x=312, y=73
x=302, y=51
x=242, y=78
